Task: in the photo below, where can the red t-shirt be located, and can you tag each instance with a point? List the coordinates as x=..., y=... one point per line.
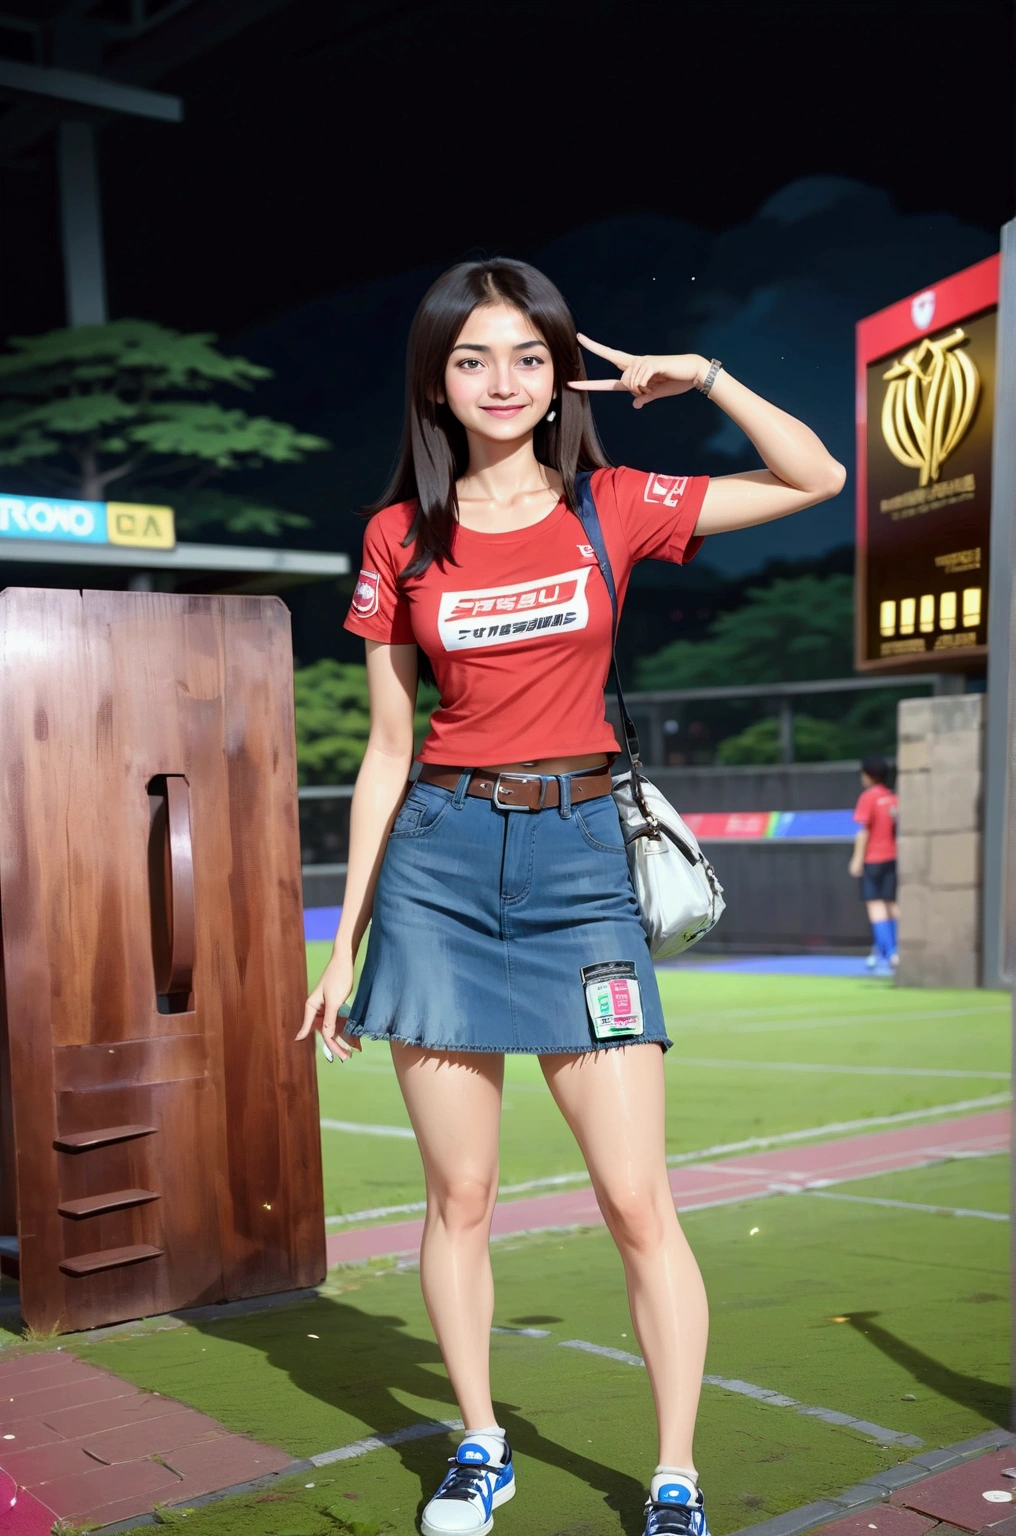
x=876, y=810
x=518, y=631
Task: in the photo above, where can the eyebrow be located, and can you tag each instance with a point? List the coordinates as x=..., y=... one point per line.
x=476, y=346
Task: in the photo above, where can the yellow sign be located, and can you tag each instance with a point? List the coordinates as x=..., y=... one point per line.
x=930, y=403
x=140, y=526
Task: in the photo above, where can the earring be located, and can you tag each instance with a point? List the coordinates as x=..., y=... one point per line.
x=552, y=413
x=550, y=416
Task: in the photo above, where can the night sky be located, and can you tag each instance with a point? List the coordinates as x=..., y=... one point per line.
x=802, y=163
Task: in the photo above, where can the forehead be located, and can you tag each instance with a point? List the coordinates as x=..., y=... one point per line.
x=497, y=325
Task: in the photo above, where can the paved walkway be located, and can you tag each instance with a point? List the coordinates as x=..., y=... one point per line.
x=724, y=1181
x=83, y=1445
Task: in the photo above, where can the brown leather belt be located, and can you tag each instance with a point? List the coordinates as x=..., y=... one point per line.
x=522, y=791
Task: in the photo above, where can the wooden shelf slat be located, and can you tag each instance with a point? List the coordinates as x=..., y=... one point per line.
x=79, y=1141
x=94, y=1205
x=110, y=1258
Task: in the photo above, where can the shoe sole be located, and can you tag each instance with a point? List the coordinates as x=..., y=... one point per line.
x=501, y=1497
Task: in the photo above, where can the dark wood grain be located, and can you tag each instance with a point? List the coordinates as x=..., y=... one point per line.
x=131, y=1069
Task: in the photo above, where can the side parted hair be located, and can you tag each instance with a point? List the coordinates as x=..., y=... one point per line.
x=434, y=451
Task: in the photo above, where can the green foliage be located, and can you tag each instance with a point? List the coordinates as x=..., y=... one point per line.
x=815, y=741
x=798, y=627
x=333, y=719
x=104, y=409
x=216, y=508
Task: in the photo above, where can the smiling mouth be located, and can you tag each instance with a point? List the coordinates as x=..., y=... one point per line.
x=502, y=410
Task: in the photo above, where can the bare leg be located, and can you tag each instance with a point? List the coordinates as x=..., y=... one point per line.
x=613, y=1100
x=878, y=911
x=454, y=1102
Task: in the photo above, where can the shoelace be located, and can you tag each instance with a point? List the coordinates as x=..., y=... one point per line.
x=669, y=1519
x=464, y=1482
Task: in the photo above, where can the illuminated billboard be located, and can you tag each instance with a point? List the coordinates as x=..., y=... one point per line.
x=925, y=405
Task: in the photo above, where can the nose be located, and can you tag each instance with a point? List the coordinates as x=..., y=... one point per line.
x=503, y=383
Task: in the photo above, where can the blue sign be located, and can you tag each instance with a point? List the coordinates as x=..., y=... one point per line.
x=53, y=519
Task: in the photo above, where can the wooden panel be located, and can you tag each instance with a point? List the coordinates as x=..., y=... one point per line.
x=111, y=1258
x=102, y=695
x=130, y=1063
x=97, y=1205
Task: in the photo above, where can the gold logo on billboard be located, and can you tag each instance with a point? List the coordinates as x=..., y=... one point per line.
x=930, y=403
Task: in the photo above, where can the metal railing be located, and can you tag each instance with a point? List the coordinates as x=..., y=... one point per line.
x=652, y=706
x=650, y=710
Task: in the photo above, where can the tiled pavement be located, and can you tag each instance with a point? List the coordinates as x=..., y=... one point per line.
x=86, y=1446
x=948, y=1492
x=721, y=1182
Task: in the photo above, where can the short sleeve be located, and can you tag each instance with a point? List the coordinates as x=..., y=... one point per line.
x=658, y=513
x=863, y=808
x=379, y=609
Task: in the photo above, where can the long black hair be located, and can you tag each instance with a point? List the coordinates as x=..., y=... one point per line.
x=434, y=451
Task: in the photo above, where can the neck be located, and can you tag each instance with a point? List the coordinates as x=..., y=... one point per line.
x=501, y=471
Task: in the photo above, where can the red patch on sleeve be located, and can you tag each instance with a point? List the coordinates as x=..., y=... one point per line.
x=367, y=595
x=665, y=490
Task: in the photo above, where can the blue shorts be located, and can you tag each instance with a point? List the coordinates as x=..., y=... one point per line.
x=485, y=920
x=878, y=882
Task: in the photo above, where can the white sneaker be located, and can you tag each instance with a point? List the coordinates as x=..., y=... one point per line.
x=465, y=1502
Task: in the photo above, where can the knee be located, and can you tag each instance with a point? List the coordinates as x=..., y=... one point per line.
x=464, y=1202
x=639, y=1219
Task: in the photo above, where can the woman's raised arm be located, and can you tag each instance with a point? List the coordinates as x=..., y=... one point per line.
x=799, y=472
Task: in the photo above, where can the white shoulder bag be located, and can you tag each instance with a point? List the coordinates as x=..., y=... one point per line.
x=679, y=896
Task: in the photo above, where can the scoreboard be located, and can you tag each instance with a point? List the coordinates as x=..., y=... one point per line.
x=925, y=405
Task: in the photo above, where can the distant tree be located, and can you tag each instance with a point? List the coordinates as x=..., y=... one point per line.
x=815, y=741
x=793, y=629
x=333, y=719
x=116, y=411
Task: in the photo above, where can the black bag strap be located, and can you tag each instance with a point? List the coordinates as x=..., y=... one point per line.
x=586, y=510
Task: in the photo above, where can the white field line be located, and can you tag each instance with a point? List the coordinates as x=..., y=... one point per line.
x=763, y=1395
x=809, y=1008
x=819, y=1066
x=704, y=1154
x=402, y=1132
x=838, y=1128
x=835, y=1021
x=378, y=1442
x=911, y=1205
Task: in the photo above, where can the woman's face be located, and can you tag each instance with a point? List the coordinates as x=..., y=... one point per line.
x=499, y=379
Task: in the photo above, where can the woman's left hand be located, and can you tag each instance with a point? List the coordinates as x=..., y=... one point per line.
x=647, y=378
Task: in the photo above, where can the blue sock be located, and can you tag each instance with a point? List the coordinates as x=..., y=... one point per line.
x=883, y=938
x=892, y=935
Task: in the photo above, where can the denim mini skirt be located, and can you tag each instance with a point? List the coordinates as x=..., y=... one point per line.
x=502, y=930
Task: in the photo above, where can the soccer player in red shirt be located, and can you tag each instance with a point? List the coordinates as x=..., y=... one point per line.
x=873, y=861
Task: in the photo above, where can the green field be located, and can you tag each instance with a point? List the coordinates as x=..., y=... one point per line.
x=890, y=1313
x=895, y=1316
x=740, y=1068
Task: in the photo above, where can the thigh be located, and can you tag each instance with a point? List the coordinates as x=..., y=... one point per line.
x=454, y=1103
x=614, y=1102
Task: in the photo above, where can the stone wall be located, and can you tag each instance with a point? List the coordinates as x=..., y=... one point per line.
x=940, y=753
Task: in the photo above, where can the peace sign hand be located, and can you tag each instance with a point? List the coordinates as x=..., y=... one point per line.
x=647, y=378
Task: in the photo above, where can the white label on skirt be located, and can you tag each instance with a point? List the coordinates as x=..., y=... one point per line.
x=613, y=999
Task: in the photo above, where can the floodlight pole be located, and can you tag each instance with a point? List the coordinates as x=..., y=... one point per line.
x=81, y=225
x=80, y=200
x=999, y=941
x=1000, y=759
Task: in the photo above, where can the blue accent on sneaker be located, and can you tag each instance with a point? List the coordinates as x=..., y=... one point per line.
x=670, y=1517
x=472, y=1482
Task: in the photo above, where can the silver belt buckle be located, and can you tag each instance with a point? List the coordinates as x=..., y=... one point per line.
x=525, y=779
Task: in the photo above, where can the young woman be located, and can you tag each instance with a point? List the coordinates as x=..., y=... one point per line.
x=498, y=886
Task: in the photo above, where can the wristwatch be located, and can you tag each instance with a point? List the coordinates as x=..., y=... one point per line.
x=710, y=378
